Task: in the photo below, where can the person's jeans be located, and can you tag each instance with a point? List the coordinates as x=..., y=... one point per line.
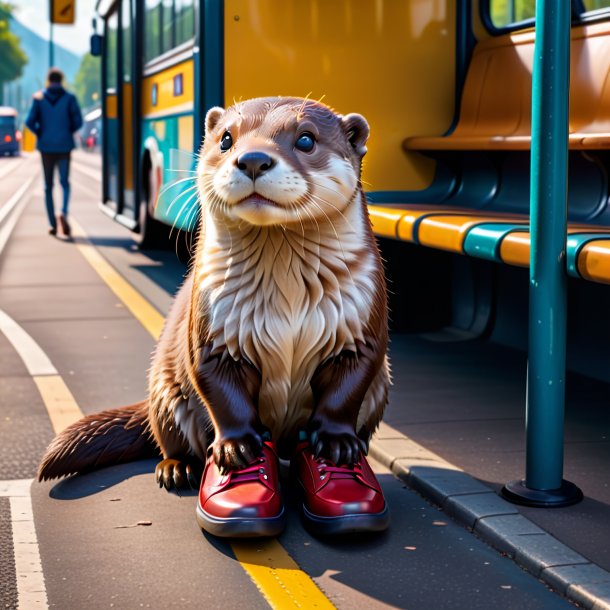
x=62, y=161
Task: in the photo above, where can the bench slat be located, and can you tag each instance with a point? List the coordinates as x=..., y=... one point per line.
x=483, y=241
x=499, y=238
x=449, y=232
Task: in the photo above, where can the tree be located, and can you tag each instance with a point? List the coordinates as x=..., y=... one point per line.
x=87, y=82
x=13, y=57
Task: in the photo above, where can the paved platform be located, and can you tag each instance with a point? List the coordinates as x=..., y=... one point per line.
x=463, y=401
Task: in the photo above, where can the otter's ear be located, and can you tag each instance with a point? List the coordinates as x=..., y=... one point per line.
x=212, y=117
x=357, y=130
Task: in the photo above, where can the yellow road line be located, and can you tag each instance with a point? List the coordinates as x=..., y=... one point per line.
x=142, y=310
x=278, y=577
x=59, y=401
x=273, y=571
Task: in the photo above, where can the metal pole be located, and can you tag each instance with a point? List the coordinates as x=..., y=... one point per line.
x=544, y=484
x=51, y=47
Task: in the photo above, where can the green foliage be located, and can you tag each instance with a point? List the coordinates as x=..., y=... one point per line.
x=13, y=57
x=592, y=5
x=87, y=82
x=505, y=12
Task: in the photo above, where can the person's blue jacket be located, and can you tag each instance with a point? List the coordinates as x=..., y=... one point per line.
x=54, y=117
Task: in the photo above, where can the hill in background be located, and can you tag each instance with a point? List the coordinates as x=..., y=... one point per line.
x=19, y=93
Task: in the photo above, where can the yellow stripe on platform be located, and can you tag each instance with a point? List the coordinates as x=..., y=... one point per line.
x=141, y=309
x=277, y=576
x=61, y=405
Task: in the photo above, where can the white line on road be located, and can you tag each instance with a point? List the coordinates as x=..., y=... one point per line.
x=35, y=360
x=31, y=590
x=14, y=200
x=63, y=410
x=11, y=166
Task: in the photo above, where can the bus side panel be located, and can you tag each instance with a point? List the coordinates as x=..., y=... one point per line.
x=392, y=61
x=168, y=142
x=167, y=110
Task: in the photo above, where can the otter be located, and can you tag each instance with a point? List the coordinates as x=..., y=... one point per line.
x=280, y=328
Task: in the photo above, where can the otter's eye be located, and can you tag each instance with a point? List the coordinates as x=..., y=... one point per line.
x=226, y=142
x=305, y=143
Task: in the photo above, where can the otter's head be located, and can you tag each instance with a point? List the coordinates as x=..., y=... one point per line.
x=280, y=160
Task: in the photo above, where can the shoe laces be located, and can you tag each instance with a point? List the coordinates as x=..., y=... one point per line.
x=252, y=472
x=342, y=471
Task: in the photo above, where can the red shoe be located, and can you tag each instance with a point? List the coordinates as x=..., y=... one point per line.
x=243, y=503
x=340, y=499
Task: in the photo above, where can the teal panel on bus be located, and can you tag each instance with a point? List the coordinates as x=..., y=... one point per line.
x=172, y=171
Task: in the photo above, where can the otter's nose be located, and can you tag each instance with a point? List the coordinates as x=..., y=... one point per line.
x=254, y=163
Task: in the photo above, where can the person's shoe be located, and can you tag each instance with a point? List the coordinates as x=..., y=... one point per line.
x=52, y=230
x=65, y=225
x=339, y=499
x=242, y=503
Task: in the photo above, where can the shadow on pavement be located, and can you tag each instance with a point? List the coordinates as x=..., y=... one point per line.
x=83, y=485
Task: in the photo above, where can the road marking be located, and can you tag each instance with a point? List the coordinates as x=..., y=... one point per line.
x=278, y=577
x=14, y=200
x=31, y=590
x=63, y=410
x=17, y=202
x=35, y=360
x=59, y=401
x=11, y=166
x=144, y=312
x=273, y=571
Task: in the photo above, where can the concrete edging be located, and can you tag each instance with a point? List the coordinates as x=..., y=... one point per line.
x=493, y=519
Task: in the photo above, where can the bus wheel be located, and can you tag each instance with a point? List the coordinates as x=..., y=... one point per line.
x=152, y=234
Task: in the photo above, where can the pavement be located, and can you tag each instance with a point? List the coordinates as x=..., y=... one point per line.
x=452, y=435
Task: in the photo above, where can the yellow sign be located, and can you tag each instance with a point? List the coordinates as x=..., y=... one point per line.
x=63, y=11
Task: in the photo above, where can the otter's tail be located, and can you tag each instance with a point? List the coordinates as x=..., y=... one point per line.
x=98, y=440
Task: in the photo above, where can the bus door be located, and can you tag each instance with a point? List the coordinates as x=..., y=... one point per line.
x=126, y=116
x=119, y=116
x=111, y=112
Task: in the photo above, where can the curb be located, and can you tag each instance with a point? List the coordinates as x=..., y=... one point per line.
x=493, y=519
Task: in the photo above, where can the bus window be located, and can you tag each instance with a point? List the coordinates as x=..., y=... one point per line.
x=126, y=117
x=126, y=34
x=592, y=6
x=111, y=42
x=112, y=127
x=504, y=13
x=167, y=24
x=185, y=20
x=152, y=38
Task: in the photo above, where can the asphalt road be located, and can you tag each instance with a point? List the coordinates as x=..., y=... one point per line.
x=112, y=539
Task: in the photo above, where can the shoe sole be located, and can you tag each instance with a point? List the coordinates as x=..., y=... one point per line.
x=238, y=527
x=347, y=524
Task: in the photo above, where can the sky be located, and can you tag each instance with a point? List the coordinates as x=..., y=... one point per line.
x=35, y=15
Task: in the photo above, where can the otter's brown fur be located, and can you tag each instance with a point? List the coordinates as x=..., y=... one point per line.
x=281, y=325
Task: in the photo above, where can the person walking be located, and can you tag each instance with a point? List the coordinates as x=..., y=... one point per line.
x=54, y=117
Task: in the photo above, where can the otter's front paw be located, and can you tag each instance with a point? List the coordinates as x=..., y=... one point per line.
x=335, y=442
x=171, y=473
x=236, y=452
